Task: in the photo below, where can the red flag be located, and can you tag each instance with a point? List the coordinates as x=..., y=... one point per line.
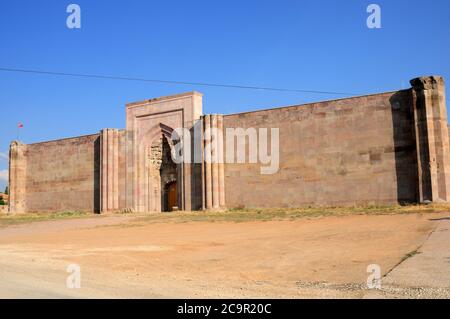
x=20, y=125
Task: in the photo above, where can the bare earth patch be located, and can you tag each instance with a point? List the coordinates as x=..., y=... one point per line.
x=310, y=253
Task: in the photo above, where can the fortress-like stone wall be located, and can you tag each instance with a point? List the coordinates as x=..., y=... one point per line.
x=383, y=148
x=60, y=175
x=351, y=151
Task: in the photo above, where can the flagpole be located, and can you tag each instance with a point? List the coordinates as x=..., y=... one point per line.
x=19, y=126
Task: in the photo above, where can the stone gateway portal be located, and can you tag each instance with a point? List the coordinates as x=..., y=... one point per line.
x=383, y=148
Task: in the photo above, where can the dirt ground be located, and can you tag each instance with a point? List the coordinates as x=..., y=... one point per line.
x=121, y=257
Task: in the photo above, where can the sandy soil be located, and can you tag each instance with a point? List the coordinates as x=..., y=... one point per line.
x=305, y=258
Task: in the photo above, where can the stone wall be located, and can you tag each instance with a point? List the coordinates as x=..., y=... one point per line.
x=352, y=151
x=112, y=170
x=384, y=148
x=433, y=149
x=60, y=175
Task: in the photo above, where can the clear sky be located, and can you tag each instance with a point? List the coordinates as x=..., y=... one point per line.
x=311, y=45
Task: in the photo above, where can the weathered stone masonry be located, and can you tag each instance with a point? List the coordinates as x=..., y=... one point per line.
x=378, y=149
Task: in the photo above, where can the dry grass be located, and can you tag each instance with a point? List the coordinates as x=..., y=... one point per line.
x=236, y=215
x=246, y=215
x=8, y=220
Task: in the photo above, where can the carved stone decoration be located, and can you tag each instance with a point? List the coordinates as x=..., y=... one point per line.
x=155, y=154
x=147, y=121
x=161, y=170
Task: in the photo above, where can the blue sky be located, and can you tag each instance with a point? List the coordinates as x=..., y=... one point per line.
x=316, y=45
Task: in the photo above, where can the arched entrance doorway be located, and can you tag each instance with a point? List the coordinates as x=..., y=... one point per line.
x=168, y=174
x=171, y=197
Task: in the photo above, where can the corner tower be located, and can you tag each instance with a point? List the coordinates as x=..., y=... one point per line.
x=433, y=154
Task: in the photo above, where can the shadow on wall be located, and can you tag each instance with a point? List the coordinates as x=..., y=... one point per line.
x=97, y=149
x=196, y=176
x=405, y=147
